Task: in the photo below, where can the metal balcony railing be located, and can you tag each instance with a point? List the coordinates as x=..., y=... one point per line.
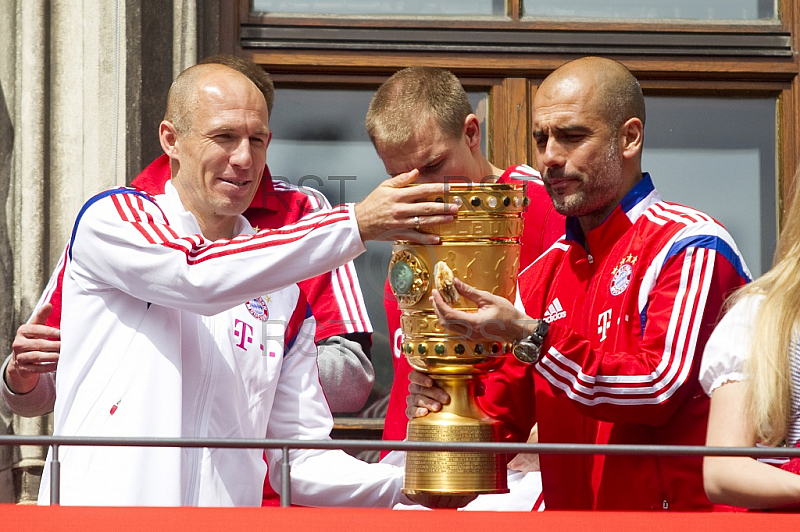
x=55, y=442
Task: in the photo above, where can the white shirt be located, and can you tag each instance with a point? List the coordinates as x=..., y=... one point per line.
x=158, y=342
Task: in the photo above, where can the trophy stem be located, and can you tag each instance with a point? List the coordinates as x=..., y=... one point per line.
x=461, y=389
x=452, y=479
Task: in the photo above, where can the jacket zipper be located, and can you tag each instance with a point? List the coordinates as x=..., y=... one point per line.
x=193, y=490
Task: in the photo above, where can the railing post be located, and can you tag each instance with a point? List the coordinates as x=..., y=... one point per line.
x=286, y=480
x=55, y=477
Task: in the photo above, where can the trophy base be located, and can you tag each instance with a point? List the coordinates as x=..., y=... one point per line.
x=438, y=500
x=444, y=479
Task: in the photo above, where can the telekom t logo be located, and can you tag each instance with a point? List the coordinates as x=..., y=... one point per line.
x=244, y=332
x=603, y=323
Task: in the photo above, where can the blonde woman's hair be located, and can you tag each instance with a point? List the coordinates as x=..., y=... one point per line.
x=411, y=97
x=776, y=325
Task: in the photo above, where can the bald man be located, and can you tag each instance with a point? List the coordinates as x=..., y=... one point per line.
x=343, y=330
x=181, y=320
x=615, y=315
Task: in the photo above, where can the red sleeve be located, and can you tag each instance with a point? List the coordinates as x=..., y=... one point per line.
x=52, y=293
x=645, y=381
x=396, y=420
x=337, y=303
x=507, y=395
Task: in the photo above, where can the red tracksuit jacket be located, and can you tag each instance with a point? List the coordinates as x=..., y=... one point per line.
x=630, y=307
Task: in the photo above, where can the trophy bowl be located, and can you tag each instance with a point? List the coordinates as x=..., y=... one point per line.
x=480, y=247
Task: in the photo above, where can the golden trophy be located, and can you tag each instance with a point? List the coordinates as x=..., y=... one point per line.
x=480, y=247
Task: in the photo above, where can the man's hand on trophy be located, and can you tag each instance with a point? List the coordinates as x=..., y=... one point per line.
x=395, y=211
x=496, y=317
x=423, y=396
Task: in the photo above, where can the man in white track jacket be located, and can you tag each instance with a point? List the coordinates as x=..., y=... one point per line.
x=179, y=320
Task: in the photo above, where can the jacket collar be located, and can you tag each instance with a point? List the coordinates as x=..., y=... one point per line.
x=188, y=220
x=152, y=179
x=633, y=205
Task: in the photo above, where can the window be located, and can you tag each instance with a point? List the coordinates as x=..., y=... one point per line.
x=654, y=9
x=696, y=158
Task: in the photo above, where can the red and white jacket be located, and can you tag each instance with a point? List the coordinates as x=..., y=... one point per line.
x=630, y=306
x=157, y=342
x=543, y=226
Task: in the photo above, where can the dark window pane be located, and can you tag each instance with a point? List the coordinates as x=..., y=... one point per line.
x=697, y=157
x=654, y=9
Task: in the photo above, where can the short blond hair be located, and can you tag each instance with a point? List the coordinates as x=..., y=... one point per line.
x=410, y=98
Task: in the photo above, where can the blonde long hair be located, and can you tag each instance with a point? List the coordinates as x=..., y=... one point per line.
x=776, y=324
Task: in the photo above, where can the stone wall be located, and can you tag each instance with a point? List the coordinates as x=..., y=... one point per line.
x=82, y=90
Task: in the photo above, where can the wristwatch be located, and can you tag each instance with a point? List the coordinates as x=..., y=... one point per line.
x=529, y=349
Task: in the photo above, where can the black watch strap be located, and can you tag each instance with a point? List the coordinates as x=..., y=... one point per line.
x=528, y=350
x=539, y=333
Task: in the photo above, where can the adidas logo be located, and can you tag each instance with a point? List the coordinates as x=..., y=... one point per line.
x=554, y=312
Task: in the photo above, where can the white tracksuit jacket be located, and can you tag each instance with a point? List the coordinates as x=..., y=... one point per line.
x=158, y=342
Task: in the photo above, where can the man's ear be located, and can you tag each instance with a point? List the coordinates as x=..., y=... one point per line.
x=472, y=132
x=631, y=135
x=168, y=136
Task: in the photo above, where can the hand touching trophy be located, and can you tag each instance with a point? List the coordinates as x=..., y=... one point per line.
x=480, y=247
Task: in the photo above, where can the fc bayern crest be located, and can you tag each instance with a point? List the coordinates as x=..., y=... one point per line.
x=622, y=275
x=621, y=279
x=258, y=308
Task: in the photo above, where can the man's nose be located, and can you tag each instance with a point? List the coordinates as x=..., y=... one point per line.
x=551, y=154
x=242, y=156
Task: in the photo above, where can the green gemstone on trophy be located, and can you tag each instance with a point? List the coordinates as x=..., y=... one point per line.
x=401, y=278
x=439, y=349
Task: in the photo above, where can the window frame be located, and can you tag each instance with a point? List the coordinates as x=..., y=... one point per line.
x=516, y=52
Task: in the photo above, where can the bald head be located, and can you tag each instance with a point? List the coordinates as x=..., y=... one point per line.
x=188, y=88
x=614, y=92
x=254, y=73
